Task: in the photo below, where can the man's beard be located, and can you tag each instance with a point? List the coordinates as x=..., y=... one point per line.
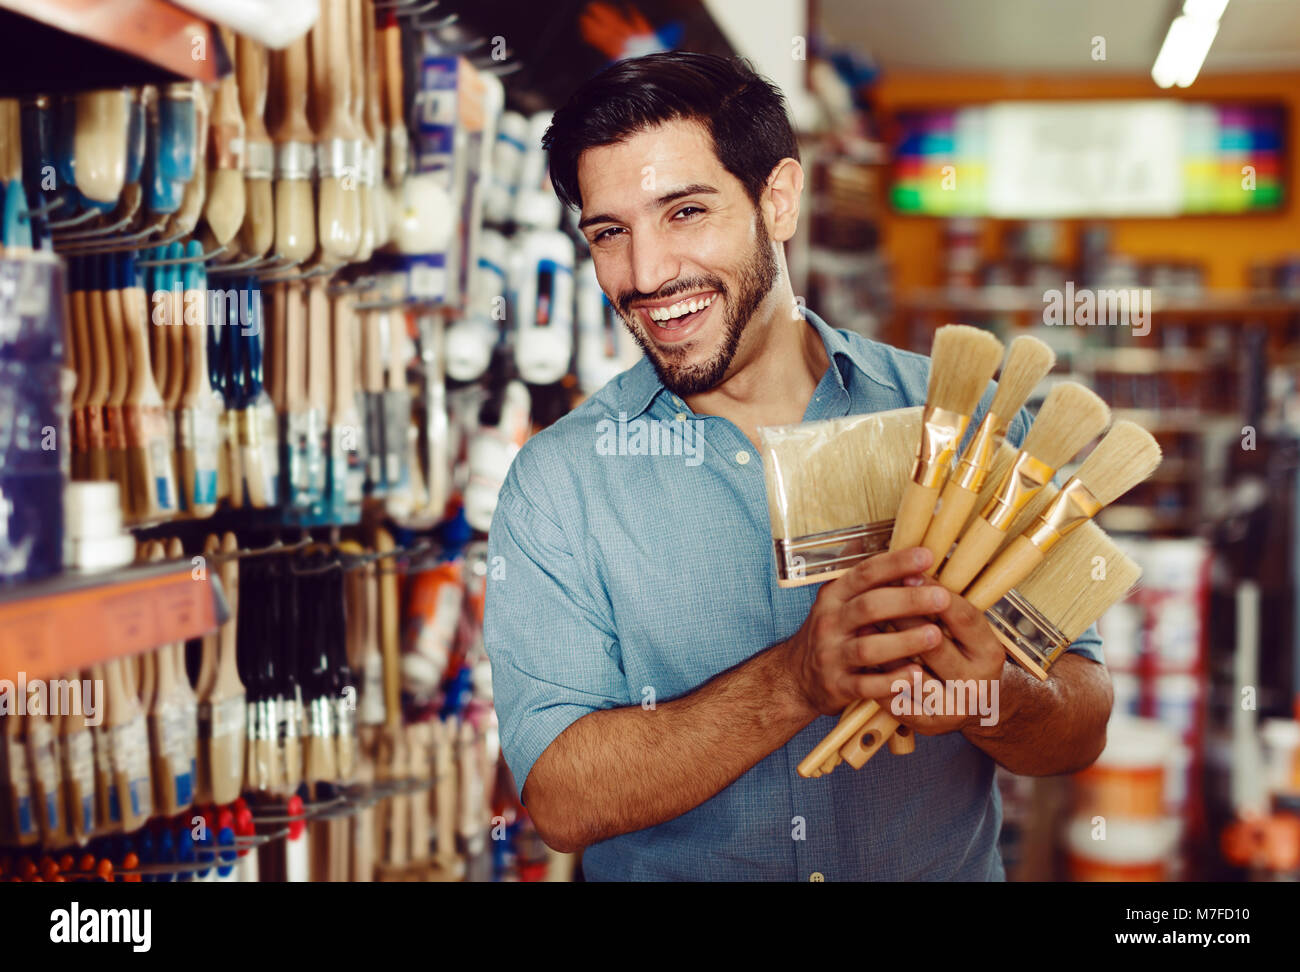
x=754, y=282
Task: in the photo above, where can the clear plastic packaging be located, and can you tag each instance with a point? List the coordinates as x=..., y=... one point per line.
x=833, y=488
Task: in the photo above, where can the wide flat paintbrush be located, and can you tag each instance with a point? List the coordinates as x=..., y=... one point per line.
x=833, y=488
x=258, y=231
x=226, y=199
x=1125, y=457
x=1028, y=362
x=1071, y=417
x=295, y=210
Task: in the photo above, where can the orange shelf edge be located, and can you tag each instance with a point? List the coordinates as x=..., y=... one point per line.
x=51, y=634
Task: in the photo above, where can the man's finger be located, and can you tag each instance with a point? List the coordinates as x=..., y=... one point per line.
x=873, y=650
x=878, y=686
x=883, y=568
x=888, y=603
x=970, y=628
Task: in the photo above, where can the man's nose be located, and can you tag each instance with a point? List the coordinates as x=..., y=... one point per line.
x=653, y=263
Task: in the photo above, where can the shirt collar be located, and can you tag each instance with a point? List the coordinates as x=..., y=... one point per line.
x=641, y=383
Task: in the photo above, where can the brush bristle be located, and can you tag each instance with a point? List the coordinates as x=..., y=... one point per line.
x=838, y=473
x=1128, y=455
x=1028, y=362
x=1083, y=577
x=962, y=362
x=1071, y=417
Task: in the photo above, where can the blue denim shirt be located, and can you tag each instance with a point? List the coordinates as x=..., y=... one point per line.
x=616, y=579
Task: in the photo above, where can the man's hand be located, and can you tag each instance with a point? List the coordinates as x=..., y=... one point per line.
x=973, y=655
x=840, y=639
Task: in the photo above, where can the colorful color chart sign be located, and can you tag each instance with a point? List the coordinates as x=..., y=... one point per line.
x=1090, y=159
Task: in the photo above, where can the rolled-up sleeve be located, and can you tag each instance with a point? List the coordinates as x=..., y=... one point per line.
x=547, y=631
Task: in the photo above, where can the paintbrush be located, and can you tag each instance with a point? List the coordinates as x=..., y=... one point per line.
x=1028, y=361
x=1071, y=417
x=43, y=768
x=85, y=368
x=108, y=811
x=317, y=413
x=295, y=160
x=258, y=231
x=225, y=204
x=77, y=752
x=390, y=44
x=198, y=428
x=1081, y=578
x=338, y=158
x=296, y=422
x=173, y=328
x=203, y=684
x=128, y=745
x=170, y=725
x=97, y=464
x=148, y=447
x=114, y=418
x=832, y=490
x=376, y=153
x=1125, y=457
x=358, y=14
x=347, y=472
x=186, y=217
x=962, y=362
x=221, y=711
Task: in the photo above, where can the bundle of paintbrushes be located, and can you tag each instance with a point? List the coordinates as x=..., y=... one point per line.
x=997, y=498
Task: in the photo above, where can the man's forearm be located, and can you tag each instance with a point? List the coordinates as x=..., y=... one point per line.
x=619, y=770
x=1044, y=728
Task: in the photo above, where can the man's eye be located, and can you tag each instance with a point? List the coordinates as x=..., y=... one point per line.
x=685, y=210
x=605, y=234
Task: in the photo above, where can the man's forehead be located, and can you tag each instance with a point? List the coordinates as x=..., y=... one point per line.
x=675, y=153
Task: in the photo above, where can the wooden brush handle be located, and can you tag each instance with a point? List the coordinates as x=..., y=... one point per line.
x=389, y=606
x=196, y=340
x=252, y=71
x=293, y=125
x=868, y=737
x=372, y=358
x=117, y=340
x=1013, y=565
x=338, y=97
x=953, y=512
x=295, y=348
x=344, y=393
x=227, y=118
x=370, y=72
x=913, y=516
x=394, y=103
x=227, y=669
x=85, y=355
x=318, y=347
x=143, y=389
x=396, y=351
x=175, y=357
x=99, y=350
x=837, y=737
x=357, y=61
x=977, y=545
x=275, y=347
x=902, y=742
x=208, y=658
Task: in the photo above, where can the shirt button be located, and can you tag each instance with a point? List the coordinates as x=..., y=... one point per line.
x=742, y=457
x=816, y=877
x=681, y=416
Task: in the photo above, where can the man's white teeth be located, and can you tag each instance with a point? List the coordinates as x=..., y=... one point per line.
x=680, y=308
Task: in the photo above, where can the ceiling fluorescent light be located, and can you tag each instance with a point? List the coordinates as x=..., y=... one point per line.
x=1184, y=51
x=1205, y=9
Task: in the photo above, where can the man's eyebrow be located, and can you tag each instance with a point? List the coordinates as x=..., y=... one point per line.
x=695, y=189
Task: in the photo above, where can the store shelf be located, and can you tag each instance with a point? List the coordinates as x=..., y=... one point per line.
x=69, y=622
x=1020, y=300
x=112, y=42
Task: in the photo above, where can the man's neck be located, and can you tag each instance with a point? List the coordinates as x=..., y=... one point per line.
x=775, y=385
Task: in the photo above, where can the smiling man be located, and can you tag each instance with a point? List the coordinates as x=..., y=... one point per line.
x=655, y=687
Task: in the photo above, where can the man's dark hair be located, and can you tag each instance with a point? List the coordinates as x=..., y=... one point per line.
x=742, y=111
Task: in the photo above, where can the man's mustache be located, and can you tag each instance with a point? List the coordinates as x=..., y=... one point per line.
x=629, y=297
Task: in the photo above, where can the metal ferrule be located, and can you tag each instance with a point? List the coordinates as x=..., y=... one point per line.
x=1023, y=481
x=259, y=160
x=801, y=560
x=295, y=160
x=366, y=175
x=177, y=91
x=1026, y=633
x=977, y=460
x=1073, y=506
x=941, y=431
x=338, y=157
x=289, y=719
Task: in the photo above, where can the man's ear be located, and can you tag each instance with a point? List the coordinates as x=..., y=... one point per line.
x=780, y=200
